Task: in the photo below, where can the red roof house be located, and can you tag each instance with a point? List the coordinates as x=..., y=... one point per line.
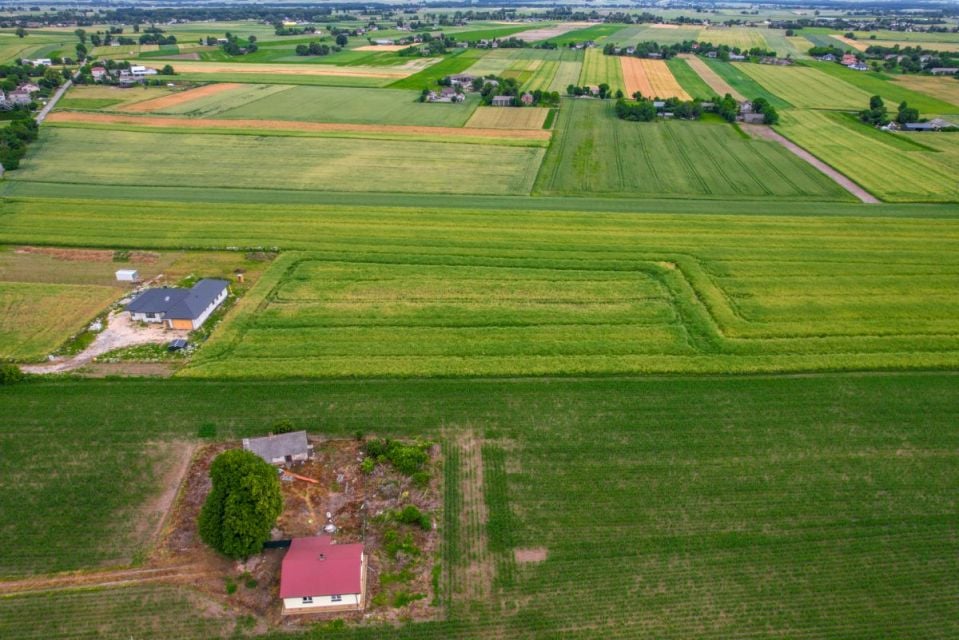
x=318, y=575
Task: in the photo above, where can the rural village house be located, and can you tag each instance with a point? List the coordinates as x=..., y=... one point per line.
x=502, y=101
x=282, y=448
x=318, y=575
x=179, y=308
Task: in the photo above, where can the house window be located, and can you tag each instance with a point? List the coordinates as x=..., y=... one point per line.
x=336, y=598
x=307, y=599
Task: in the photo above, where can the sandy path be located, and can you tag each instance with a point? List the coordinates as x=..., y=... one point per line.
x=120, y=332
x=710, y=77
x=762, y=131
x=174, y=99
x=284, y=125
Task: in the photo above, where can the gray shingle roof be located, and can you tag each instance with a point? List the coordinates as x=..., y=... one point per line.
x=177, y=303
x=278, y=446
x=157, y=300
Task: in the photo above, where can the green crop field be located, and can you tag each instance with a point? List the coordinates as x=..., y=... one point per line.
x=457, y=62
x=359, y=106
x=882, y=85
x=742, y=37
x=66, y=155
x=689, y=80
x=843, y=490
x=744, y=84
x=806, y=87
x=645, y=33
x=212, y=105
x=35, y=318
x=896, y=167
x=568, y=72
x=597, y=33
x=599, y=68
x=595, y=152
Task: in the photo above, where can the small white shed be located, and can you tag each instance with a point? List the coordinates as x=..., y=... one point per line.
x=127, y=275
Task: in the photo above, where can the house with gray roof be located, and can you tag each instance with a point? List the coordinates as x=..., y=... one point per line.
x=179, y=308
x=282, y=448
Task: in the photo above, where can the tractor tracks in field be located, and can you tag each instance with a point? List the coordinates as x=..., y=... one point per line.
x=99, y=579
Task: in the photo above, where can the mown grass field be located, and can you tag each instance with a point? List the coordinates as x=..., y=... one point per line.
x=97, y=97
x=689, y=80
x=595, y=152
x=941, y=88
x=599, y=68
x=36, y=318
x=743, y=83
x=895, y=167
x=806, y=87
x=74, y=155
x=456, y=62
x=634, y=34
x=892, y=91
x=843, y=522
x=361, y=106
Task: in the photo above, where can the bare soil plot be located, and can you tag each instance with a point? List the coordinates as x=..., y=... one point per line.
x=507, y=118
x=710, y=77
x=526, y=556
x=396, y=72
x=282, y=125
x=179, y=98
x=545, y=33
x=762, y=131
x=652, y=78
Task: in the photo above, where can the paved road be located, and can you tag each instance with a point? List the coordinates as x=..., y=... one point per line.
x=763, y=131
x=42, y=115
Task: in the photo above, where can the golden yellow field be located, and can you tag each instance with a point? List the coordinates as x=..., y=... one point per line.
x=652, y=78
x=507, y=118
x=855, y=44
x=939, y=87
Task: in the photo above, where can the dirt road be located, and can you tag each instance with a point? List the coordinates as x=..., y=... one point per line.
x=767, y=133
x=120, y=332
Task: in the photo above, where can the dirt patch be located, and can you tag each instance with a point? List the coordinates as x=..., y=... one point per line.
x=283, y=125
x=527, y=556
x=710, y=77
x=180, y=97
x=87, y=255
x=762, y=131
x=120, y=332
x=480, y=569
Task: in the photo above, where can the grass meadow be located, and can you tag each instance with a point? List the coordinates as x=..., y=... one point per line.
x=101, y=156
x=843, y=522
x=595, y=152
x=806, y=87
x=895, y=167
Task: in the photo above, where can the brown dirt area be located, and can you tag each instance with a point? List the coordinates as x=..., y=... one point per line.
x=524, y=556
x=283, y=125
x=87, y=255
x=179, y=97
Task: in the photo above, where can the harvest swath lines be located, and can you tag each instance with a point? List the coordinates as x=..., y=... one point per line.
x=177, y=99
x=599, y=68
x=652, y=78
x=500, y=118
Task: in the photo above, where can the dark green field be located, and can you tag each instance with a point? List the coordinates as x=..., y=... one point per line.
x=819, y=506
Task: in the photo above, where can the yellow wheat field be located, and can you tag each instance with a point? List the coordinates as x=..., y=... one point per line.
x=652, y=78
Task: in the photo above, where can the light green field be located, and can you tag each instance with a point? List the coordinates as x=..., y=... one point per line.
x=892, y=91
x=689, y=80
x=742, y=37
x=358, y=106
x=777, y=40
x=209, y=106
x=36, y=318
x=805, y=87
x=635, y=34
x=567, y=73
x=493, y=62
x=599, y=68
x=285, y=78
x=886, y=164
x=595, y=152
x=74, y=155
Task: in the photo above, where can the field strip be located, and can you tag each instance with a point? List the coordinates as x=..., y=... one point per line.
x=285, y=125
x=100, y=579
x=762, y=131
x=855, y=44
x=382, y=47
x=710, y=77
x=652, y=78
x=545, y=33
x=174, y=99
x=300, y=69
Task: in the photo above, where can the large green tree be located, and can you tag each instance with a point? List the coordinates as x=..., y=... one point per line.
x=243, y=504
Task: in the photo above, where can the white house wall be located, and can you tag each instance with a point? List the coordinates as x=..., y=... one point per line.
x=320, y=602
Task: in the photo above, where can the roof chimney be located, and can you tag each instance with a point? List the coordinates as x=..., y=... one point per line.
x=322, y=556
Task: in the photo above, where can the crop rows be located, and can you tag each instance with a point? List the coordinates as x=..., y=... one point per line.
x=805, y=87
x=599, y=69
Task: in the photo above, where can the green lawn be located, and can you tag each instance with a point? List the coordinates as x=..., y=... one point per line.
x=75, y=155
x=361, y=106
x=595, y=152
x=819, y=506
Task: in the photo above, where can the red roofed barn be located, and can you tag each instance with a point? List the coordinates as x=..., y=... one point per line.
x=318, y=576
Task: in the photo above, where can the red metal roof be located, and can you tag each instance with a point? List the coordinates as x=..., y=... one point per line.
x=317, y=567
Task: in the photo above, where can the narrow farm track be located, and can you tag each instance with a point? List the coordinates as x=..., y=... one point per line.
x=283, y=125
x=762, y=131
x=119, y=577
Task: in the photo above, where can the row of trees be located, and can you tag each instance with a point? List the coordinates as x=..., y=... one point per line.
x=666, y=51
x=15, y=137
x=878, y=115
x=315, y=48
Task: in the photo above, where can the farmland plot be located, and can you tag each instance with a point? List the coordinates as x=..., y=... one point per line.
x=742, y=37
x=741, y=83
x=66, y=155
x=891, y=166
x=690, y=80
x=36, y=318
x=944, y=89
x=652, y=78
x=805, y=87
x=211, y=103
x=595, y=152
x=567, y=73
x=508, y=118
x=599, y=68
x=891, y=90
x=352, y=105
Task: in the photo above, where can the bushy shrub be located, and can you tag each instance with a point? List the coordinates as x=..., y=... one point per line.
x=10, y=374
x=413, y=516
x=407, y=458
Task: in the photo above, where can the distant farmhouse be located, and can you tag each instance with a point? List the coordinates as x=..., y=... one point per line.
x=179, y=308
x=318, y=575
x=283, y=448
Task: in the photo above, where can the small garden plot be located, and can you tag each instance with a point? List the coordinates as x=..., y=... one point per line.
x=508, y=118
x=382, y=493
